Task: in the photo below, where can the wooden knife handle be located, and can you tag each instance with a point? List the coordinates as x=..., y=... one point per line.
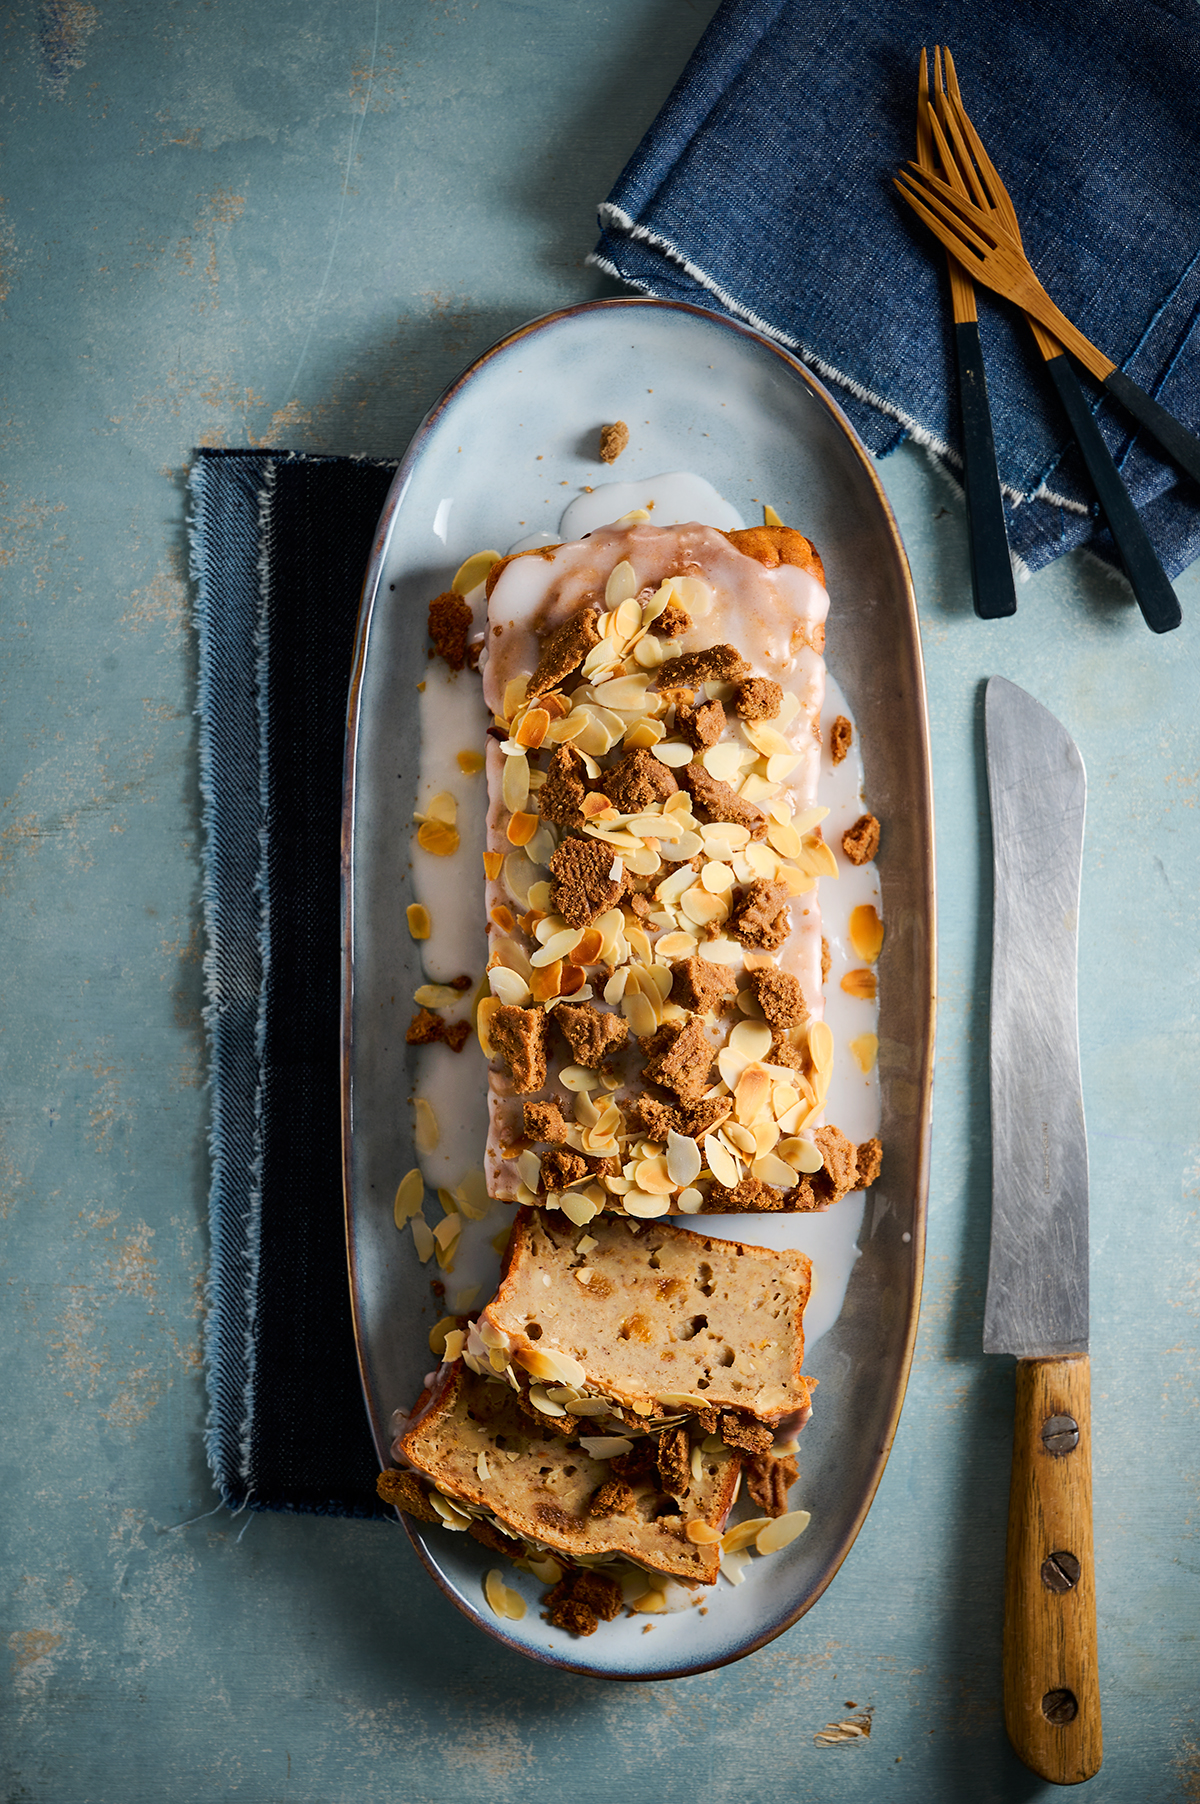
x=1051, y=1685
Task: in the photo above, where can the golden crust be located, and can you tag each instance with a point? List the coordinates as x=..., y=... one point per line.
x=775, y=545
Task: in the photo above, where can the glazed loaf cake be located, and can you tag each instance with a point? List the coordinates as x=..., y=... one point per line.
x=643, y=1324
x=490, y=1465
x=655, y=1017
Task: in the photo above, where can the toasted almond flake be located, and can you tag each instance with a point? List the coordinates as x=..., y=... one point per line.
x=782, y=1531
x=545, y=981
x=673, y=752
x=675, y=945
x=483, y=1015
x=532, y=728
x=521, y=828
x=442, y=807
x=456, y=1340
x=551, y=1365
x=419, y=924
x=702, y=1534
x=470, y=762
x=438, y=1333
x=622, y=584
x=720, y=1162
x=734, y=1540
x=426, y=1132
x=448, y=1201
x=410, y=1195
x=866, y=932
x=502, y=917
x=508, y=987
x=447, y=1232
x=702, y=906
x=766, y=1134
x=865, y=1048
x=752, y=1093
x=820, y=1045
x=652, y=1176
x=861, y=984
x=785, y=839
x=557, y=946
x=493, y=864
x=802, y=1155
x=651, y=1602
x=423, y=1239
x=641, y=1204
x=584, y=1275
x=817, y=858
x=438, y=838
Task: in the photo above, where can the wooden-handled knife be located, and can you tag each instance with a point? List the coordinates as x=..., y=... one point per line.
x=1037, y=1295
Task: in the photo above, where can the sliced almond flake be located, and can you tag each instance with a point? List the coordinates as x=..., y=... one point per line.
x=644, y=862
x=782, y=1531
x=448, y=1201
x=740, y=1138
x=423, y=1239
x=473, y=570
x=605, y=1446
x=650, y=652
x=622, y=584
x=584, y=1275
x=614, y=989
x=410, y=1195
x=702, y=1534
x=660, y=977
x=736, y=1539
x=784, y=1096
x=527, y=1196
x=675, y=946
x=508, y=987
x=683, y=1158
x=751, y=1041
x=639, y=944
x=439, y=839
x=793, y=1119
x=419, y=925
x=781, y=765
x=795, y=881
x=484, y=1471
x=766, y=1135
x=861, y=984
x=627, y=620
x=514, y=787
x=437, y=995
x=789, y=707
x=532, y=728
x=674, y=753
x=545, y=982
x=456, y=1340
x=652, y=1176
x=451, y=1518
x=722, y=761
x=820, y=1045
x=546, y=1570
x=542, y=1403
x=702, y=906
x=866, y=932
x=447, y=1231
x=766, y=738
x=748, y=1006
x=785, y=839
x=578, y=1078
x=514, y=694
x=640, y=1014
x=426, y=1132
x=438, y=1333
x=650, y=1603
x=579, y=1209
x=530, y=1168
x=556, y=945
x=602, y=657
x=720, y=1162
x=754, y=788
x=733, y=1567
x=803, y=1155
x=690, y=1201
x=551, y=1365
x=695, y=595
x=817, y=858
x=865, y=1048
x=752, y=1093
x=542, y=846
x=519, y=873
x=641, y=1204
x=721, y=951
x=769, y=1169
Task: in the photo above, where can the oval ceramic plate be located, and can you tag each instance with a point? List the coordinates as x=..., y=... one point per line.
x=494, y=462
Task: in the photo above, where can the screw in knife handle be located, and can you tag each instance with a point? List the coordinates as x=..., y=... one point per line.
x=1051, y=1683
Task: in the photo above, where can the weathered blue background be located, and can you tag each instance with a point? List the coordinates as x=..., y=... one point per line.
x=290, y=224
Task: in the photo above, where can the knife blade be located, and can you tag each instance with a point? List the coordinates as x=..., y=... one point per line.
x=1037, y=1294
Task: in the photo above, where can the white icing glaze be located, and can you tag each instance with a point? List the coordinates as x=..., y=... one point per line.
x=454, y=718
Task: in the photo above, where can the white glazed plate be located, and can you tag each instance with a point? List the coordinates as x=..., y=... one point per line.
x=496, y=461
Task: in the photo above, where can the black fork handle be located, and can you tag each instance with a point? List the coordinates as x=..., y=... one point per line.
x=1148, y=579
x=991, y=566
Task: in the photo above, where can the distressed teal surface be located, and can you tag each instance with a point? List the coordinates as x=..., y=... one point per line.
x=292, y=224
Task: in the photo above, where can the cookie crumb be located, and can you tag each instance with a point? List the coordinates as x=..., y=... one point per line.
x=841, y=737
x=861, y=841
x=613, y=440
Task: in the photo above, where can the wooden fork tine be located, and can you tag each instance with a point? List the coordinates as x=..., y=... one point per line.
x=960, y=156
x=945, y=224
x=998, y=198
x=924, y=136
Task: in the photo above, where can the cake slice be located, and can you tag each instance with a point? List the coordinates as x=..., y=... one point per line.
x=643, y=1326
x=653, y=849
x=489, y=1468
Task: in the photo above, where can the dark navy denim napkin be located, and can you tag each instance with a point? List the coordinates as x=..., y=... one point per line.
x=764, y=189
x=280, y=544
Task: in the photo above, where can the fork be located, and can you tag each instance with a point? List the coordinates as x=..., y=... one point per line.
x=965, y=161
x=991, y=565
x=992, y=256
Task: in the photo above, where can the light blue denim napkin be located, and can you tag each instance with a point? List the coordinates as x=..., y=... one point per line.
x=764, y=189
